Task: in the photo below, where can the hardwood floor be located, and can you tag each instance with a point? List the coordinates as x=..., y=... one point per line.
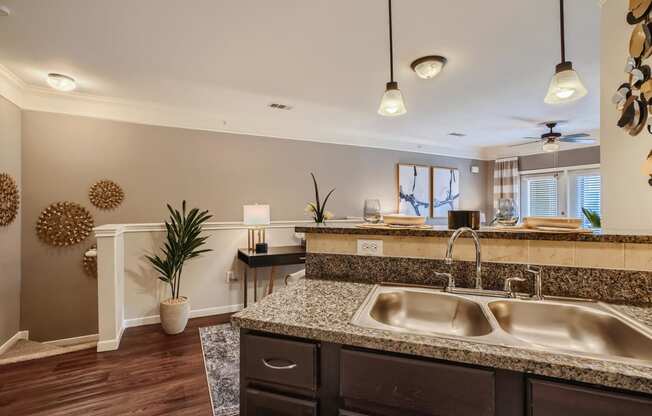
x=151, y=374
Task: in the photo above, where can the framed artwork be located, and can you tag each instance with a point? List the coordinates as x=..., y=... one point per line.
x=445, y=191
x=414, y=190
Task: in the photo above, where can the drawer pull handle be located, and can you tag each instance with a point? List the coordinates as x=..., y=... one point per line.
x=302, y=258
x=279, y=367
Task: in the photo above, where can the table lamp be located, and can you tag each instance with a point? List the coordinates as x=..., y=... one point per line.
x=256, y=217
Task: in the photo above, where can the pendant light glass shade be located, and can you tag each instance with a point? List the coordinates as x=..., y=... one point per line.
x=565, y=86
x=392, y=102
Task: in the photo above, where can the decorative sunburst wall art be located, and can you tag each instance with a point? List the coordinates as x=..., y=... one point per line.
x=9, y=199
x=106, y=194
x=64, y=224
x=90, y=263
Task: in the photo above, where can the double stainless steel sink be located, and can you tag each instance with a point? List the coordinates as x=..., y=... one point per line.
x=558, y=325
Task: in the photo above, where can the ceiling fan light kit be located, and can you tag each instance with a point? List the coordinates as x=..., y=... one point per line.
x=550, y=145
x=391, y=104
x=428, y=67
x=566, y=85
x=552, y=140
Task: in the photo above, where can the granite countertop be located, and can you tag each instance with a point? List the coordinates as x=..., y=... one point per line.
x=621, y=236
x=322, y=309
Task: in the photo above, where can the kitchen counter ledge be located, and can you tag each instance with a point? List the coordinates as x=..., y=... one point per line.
x=631, y=237
x=321, y=310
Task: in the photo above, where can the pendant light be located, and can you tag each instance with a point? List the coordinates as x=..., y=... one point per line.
x=392, y=102
x=566, y=85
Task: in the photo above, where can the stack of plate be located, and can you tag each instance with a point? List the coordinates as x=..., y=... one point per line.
x=553, y=223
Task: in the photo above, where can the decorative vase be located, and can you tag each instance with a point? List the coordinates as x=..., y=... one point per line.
x=174, y=315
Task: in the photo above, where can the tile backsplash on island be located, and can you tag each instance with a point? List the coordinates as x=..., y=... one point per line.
x=611, y=271
x=604, y=255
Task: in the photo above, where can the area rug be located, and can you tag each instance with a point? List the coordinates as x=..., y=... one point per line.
x=221, y=347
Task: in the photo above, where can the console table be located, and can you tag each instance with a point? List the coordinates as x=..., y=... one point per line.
x=275, y=256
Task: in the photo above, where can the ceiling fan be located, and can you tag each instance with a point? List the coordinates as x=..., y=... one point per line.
x=551, y=139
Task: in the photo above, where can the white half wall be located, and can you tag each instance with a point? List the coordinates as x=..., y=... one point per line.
x=626, y=195
x=129, y=291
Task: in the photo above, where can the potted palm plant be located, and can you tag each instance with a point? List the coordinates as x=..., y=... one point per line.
x=183, y=242
x=318, y=208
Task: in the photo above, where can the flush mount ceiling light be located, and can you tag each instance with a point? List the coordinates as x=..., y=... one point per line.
x=61, y=82
x=392, y=102
x=4, y=11
x=566, y=85
x=428, y=67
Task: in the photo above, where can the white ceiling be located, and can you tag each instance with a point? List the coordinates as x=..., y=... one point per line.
x=225, y=61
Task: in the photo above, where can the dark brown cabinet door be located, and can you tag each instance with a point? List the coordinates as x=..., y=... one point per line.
x=375, y=382
x=260, y=403
x=548, y=398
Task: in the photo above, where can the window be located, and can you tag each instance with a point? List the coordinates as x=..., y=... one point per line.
x=584, y=193
x=542, y=192
x=561, y=193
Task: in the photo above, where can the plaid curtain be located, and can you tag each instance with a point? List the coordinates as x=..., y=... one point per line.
x=506, y=182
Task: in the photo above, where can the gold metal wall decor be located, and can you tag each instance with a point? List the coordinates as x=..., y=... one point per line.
x=9, y=199
x=106, y=194
x=90, y=262
x=64, y=224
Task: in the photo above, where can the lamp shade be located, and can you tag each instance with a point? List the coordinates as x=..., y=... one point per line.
x=392, y=102
x=256, y=214
x=565, y=86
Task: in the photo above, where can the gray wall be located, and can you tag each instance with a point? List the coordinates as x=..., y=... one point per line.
x=565, y=158
x=10, y=138
x=64, y=155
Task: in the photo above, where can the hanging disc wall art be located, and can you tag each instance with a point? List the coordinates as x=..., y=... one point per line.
x=9, y=199
x=106, y=194
x=64, y=224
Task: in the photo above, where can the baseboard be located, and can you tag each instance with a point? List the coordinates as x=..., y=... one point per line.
x=110, y=344
x=65, y=342
x=197, y=313
x=11, y=341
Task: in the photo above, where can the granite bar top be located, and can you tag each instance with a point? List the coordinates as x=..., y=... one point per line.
x=321, y=310
x=484, y=232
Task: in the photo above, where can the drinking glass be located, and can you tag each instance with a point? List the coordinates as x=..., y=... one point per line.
x=372, y=210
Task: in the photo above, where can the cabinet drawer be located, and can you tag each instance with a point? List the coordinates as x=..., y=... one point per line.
x=260, y=403
x=548, y=398
x=281, y=361
x=421, y=387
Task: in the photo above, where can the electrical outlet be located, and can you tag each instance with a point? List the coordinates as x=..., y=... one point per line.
x=230, y=276
x=370, y=247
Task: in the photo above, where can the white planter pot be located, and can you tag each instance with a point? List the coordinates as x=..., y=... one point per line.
x=174, y=315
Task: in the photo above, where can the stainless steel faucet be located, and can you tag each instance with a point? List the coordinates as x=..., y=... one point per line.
x=448, y=279
x=508, y=285
x=536, y=271
x=478, y=256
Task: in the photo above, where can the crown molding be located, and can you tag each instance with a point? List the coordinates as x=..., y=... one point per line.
x=11, y=87
x=33, y=98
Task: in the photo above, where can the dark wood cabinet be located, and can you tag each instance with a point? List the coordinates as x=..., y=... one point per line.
x=418, y=386
x=287, y=377
x=551, y=398
x=260, y=403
